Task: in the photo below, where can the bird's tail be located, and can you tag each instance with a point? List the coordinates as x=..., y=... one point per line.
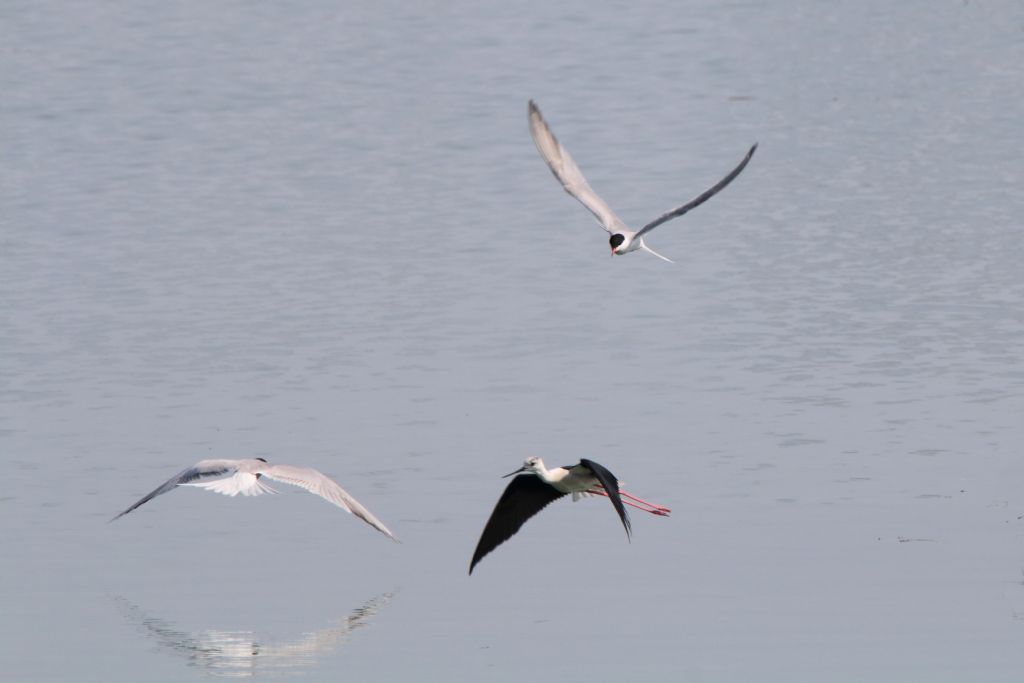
x=243, y=483
x=643, y=245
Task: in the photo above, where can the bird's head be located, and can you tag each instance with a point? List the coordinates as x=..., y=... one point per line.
x=530, y=465
x=260, y=459
x=617, y=242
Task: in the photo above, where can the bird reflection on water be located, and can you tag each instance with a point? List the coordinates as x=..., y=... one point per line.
x=243, y=654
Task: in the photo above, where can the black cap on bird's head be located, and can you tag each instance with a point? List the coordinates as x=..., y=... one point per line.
x=616, y=241
x=260, y=459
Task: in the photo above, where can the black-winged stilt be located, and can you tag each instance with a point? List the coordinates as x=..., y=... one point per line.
x=529, y=493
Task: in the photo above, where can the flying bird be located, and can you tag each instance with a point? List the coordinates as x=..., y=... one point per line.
x=246, y=478
x=529, y=493
x=622, y=239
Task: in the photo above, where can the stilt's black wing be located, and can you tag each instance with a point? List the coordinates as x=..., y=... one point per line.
x=700, y=199
x=525, y=496
x=611, y=487
x=204, y=469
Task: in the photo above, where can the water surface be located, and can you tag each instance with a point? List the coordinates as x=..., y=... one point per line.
x=320, y=234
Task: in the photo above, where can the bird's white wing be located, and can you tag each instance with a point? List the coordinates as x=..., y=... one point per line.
x=696, y=201
x=244, y=483
x=320, y=484
x=204, y=469
x=569, y=174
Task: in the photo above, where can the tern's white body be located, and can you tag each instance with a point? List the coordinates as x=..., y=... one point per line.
x=246, y=478
x=622, y=239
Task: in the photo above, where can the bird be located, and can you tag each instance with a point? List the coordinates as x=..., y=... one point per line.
x=622, y=239
x=529, y=493
x=245, y=479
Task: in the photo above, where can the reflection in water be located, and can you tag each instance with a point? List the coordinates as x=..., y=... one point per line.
x=240, y=654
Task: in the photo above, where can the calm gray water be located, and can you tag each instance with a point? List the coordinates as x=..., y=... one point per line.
x=321, y=234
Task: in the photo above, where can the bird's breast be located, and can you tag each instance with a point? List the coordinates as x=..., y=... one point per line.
x=573, y=482
x=630, y=245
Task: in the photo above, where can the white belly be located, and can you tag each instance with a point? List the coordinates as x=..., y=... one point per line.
x=572, y=482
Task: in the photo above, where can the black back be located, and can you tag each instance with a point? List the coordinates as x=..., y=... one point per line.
x=525, y=496
x=611, y=487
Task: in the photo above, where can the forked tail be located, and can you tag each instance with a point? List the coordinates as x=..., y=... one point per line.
x=643, y=245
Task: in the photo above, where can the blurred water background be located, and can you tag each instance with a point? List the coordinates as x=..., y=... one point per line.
x=319, y=233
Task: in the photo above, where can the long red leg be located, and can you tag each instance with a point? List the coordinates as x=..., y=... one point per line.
x=653, y=509
x=645, y=502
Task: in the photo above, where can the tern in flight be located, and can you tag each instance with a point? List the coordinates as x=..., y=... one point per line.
x=622, y=240
x=529, y=493
x=245, y=479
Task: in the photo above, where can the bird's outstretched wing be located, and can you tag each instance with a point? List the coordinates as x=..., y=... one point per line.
x=204, y=469
x=568, y=173
x=325, y=487
x=611, y=487
x=525, y=496
x=700, y=199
